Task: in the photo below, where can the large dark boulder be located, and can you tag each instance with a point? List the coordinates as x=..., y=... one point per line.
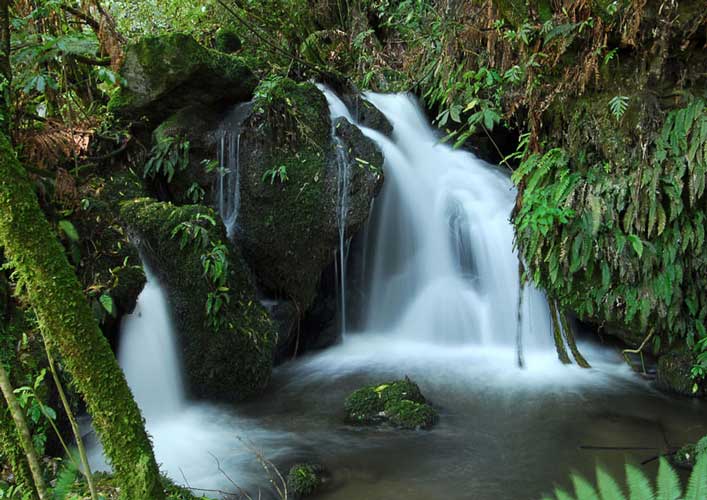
x=287, y=224
x=166, y=73
x=227, y=360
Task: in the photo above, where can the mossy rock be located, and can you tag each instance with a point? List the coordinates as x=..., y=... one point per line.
x=165, y=73
x=399, y=402
x=304, y=479
x=674, y=374
x=288, y=224
x=229, y=361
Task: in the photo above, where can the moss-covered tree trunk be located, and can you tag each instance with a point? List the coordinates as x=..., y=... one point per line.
x=67, y=322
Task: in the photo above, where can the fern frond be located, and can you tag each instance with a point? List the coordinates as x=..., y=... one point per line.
x=697, y=486
x=668, y=482
x=639, y=486
x=583, y=489
x=608, y=488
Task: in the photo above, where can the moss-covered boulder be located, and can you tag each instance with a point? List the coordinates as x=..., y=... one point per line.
x=288, y=224
x=399, y=402
x=674, y=374
x=226, y=337
x=166, y=73
x=304, y=480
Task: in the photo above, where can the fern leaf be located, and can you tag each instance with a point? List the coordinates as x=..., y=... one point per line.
x=561, y=494
x=639, y=486
x=668, y=482
x=608, y=489
x=65, y=481
x=697, y=487
x=583, y=489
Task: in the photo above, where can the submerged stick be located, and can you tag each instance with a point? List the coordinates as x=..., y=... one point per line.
x=557, y=335
x=569, y=337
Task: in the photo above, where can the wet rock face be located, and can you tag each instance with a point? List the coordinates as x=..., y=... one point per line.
x=288, y=224
x=166, y=73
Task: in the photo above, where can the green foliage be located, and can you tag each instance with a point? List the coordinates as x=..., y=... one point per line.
x=276, y=173
x=169, y=155
x=639, y=486
x=40, y=416
x=214, y=262
x=641, y=268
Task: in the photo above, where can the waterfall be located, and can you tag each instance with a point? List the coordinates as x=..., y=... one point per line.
x=148, y=354
x=228, y=190
x=442, y=267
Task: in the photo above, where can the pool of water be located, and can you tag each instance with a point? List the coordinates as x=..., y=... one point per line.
x=503, y=432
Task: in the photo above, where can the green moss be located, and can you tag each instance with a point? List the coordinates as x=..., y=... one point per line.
x=400, y=402
x=226, y=362
x=304, y=479
x=407, y=414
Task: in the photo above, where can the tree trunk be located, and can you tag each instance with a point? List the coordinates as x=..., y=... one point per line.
x=23, y=432
x=67, y=322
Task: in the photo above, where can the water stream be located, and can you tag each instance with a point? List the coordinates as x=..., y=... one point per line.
x=443, y=295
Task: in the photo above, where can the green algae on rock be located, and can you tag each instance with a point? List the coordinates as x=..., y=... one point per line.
x=304, y=479
x=399, y=402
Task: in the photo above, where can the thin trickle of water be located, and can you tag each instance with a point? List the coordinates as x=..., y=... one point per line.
x=342, y=177
x=148, y=354
x=443, y=267
x=228, y=190
x=343, y=174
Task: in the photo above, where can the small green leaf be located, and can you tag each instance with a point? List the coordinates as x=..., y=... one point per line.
x=107, y=303
x=69, y=230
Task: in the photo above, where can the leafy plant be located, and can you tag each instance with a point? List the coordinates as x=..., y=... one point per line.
x=214, y=262
x=38, y=414
x=668, y=485
x=276, y=173
x=168, y=156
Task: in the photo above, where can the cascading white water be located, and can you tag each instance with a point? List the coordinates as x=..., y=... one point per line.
x=443, y=267
x=148, y=354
